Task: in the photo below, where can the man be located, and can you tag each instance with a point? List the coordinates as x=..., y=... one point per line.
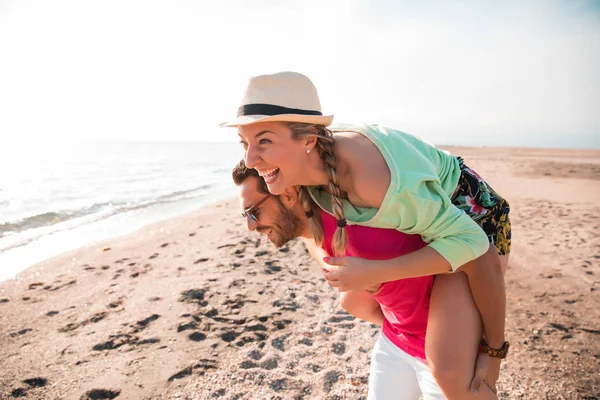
x=282, y=218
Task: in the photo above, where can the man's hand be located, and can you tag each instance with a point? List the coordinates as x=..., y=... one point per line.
x=351, y=273
x=487, y=369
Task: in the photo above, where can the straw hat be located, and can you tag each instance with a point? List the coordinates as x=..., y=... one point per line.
x=284, y=96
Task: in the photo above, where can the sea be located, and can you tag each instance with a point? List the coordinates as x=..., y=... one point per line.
x=55, y=197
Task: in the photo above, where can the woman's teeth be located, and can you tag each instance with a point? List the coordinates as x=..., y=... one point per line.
x=269, y=175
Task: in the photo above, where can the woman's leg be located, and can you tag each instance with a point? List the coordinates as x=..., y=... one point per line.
x=454, y=331
x=504, y=263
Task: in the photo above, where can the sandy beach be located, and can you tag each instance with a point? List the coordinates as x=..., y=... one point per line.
x=196, y=307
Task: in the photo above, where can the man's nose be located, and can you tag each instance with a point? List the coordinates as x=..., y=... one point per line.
x=252, y=224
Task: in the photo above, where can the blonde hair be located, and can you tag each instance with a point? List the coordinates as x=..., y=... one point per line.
x=324, y=146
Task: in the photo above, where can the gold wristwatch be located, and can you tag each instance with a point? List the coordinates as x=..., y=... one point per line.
x=496, y=353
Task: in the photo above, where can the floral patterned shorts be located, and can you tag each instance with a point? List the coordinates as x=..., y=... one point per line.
x=475, y=197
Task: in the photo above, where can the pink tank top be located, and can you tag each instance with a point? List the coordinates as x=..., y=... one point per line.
x=405, y=303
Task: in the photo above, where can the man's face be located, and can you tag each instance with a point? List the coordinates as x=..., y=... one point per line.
x=276, y=221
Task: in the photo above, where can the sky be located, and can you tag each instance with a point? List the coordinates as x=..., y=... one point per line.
x=504, y=73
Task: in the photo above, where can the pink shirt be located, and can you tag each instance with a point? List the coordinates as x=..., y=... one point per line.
x=405, y=303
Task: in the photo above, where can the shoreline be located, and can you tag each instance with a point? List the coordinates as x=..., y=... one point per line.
x=45, y=248
x=196, y=307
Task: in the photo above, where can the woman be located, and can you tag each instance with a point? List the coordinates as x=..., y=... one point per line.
x=398, y=368
x=373, y=176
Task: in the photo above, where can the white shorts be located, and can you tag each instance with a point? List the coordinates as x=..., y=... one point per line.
x=395, y=375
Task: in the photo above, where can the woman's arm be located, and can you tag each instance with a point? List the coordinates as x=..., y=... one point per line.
x=484, y=274
x=316, y=252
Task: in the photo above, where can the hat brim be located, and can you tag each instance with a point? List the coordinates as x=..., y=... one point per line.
x=325, y=120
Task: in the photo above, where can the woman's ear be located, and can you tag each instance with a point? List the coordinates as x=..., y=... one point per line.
x=289, y=197
x=311, y=141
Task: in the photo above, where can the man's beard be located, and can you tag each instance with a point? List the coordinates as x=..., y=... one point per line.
x=289, y=226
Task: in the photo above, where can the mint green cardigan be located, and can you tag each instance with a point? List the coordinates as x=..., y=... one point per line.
x=423, y=179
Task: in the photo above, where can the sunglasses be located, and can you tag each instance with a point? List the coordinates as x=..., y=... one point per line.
x=249, y=212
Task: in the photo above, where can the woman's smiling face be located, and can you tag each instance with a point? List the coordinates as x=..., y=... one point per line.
x=270, y=149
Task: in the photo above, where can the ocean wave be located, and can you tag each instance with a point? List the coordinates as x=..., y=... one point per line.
x=96, y=211
x=49, y=218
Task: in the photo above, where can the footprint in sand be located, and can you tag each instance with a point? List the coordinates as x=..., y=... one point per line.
x=287, y=305
x=114, y=341
x=197, y=337
x=188, y=326
x=18, y=392
x=36, y=382
x=229, y=336
x=31, y=383
x=330, y=379
x=194, y=296
x=279, y=343
x=201, y=367
x=238, y=302
x=120, y=339
x=52, y=289
x=100, y=394
x=116, y=303
x=269, y=364
x=255, y=355
x=92, y=320
x=281, y=324
x=21, y=332
x=338, y=348
x=278, y=384
x=143, y=324
x=270, y=268
x=34, y=285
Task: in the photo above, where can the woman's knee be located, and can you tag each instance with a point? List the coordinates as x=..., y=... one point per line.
x=453, y=381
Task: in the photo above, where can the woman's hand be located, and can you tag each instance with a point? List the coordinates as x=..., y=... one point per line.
x=351, y=273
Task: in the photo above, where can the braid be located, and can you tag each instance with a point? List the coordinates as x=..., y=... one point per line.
x=314, y=223
x=325, y=147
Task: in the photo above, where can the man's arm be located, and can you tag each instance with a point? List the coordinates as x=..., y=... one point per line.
x=359, y=304
x=362, y=306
